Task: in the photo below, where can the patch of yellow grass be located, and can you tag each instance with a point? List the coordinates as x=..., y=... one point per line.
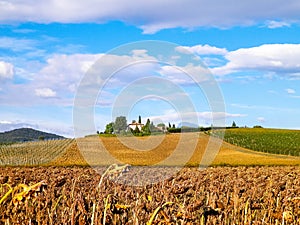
x=235, y=156
x=92, y=152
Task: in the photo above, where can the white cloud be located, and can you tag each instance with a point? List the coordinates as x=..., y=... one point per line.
x=261, y=119
x=151, y=16
x=5, y=122
x=290, y=91
x=202, y=50
x=6, y=70
x=65, y=71
x=278, y=58
x=277, y=24
x=45, y=93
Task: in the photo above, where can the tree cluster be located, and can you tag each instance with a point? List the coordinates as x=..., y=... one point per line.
x=117, y=127
x=120, y=126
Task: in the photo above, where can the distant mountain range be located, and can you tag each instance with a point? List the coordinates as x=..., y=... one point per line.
x=26, y=134
x=187, y=124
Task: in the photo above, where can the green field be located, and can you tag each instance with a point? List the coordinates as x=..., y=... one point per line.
x=275, y=141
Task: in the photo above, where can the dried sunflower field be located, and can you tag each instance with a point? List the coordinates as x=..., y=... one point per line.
x=216, y=195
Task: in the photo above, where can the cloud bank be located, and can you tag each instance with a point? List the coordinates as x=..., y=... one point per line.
x=278, y=58
x=58, y=78
x=155, y=15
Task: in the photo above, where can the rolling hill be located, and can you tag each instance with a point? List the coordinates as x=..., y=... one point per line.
x=25, y=134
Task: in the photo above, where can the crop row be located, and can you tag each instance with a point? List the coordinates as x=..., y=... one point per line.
x=32, y=153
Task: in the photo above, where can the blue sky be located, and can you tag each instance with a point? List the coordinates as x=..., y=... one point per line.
x=251, y=48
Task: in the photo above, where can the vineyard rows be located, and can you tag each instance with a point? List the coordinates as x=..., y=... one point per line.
x=32, y=153
x=275, y=141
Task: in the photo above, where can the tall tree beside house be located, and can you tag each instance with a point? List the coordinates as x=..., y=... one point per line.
x=140, y=119
x=146, y=129
x=136, y=131
x=120, y=124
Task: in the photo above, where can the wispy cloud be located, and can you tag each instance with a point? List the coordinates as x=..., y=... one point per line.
x=23, y=31
x=184, y=74
x=16, y=44
x=263, y=107
x=273, y=24
x=290, y=91
x=45, y=93
x=261, y=119
x=202, y=50
x=194, y=117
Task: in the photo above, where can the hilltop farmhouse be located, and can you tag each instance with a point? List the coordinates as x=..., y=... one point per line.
x=135, y=125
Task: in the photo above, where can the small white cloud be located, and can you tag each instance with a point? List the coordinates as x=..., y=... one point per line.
x=261, y=119
x=202, y=50
x=5, y=122
x=6, y=70
x=290, y=91
x=277, y=24
x=45, y=93
x=272, y=92
x=140, y=53
x=295, y=96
